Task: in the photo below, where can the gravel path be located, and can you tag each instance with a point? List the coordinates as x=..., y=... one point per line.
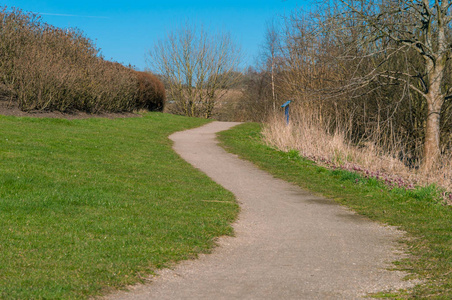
x=289, y=244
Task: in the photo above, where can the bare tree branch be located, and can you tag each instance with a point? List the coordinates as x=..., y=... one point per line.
x=197, y=67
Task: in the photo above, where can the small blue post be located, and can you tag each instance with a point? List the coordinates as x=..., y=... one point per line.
x=286, y=111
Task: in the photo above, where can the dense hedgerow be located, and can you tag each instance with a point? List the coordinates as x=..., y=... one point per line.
x=150, y=92
x=43, y=67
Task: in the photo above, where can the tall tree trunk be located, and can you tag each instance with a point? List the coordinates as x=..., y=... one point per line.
x=435, y=100
x=432, y=133
x=435, y=97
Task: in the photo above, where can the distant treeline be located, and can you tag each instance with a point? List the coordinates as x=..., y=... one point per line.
x=43, y=67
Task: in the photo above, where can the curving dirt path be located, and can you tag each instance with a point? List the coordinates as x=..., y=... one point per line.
x=289, y=244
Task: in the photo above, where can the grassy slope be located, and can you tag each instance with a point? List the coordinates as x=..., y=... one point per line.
x=419, y=212
x=90, y=204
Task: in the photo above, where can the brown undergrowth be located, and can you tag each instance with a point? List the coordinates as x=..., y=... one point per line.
x=330, y=146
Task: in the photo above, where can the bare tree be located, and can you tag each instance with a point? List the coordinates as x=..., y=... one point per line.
x=271, y=53
x=198, y=68
x=415, y=31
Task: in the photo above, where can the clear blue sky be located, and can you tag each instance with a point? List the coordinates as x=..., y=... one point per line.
x=126, y=30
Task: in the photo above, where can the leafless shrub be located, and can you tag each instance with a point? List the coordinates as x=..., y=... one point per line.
x=48, y=68
x=150, y=92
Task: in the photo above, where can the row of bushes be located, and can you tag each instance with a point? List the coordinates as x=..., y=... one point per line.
x=43, y=67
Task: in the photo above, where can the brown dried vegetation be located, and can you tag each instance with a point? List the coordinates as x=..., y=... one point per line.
x=347, y=101
x=46, y=68
x=319, y=64
x=150, y=93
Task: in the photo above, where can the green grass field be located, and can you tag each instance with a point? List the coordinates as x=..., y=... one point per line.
x=421, y=212
x=95, y=204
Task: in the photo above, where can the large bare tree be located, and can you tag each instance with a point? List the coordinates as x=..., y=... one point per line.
x=419, y=32
x=198, y=67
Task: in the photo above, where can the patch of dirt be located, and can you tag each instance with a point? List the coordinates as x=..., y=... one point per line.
x=8, y=108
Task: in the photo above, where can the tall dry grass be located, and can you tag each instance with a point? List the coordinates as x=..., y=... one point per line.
x=317, y=139
x=43, y=67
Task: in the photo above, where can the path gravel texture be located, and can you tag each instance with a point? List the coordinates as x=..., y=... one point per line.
x=289, y=244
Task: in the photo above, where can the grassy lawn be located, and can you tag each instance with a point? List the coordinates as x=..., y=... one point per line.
x=419, y=212
x=89, y=205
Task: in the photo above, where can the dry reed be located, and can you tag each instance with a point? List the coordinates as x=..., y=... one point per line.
x=313, y=137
